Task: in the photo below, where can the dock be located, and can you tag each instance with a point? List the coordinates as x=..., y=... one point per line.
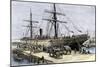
x=65, y=58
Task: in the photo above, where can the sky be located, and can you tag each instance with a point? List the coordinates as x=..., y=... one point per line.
x=77, y=17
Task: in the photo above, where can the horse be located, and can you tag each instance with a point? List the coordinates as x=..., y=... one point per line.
x=67, y=49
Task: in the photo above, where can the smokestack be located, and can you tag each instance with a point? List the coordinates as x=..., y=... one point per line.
x=41, y=31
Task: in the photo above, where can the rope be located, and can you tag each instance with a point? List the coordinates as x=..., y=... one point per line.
x=73, y=24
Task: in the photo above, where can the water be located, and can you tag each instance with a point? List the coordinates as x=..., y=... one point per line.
x=92, y=50
x=16, y=63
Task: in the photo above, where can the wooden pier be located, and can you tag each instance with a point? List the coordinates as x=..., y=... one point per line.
x=65, y=58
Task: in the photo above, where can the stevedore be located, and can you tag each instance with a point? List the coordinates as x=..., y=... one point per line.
x=42, y=59
x=75, y=50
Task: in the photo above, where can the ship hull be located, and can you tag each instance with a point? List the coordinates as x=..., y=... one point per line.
x=75, y=42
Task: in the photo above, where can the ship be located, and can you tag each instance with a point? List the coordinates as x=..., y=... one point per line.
x=47, y=41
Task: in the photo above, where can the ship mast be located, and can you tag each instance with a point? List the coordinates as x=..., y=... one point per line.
x=55, y=20
x=31, y=25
